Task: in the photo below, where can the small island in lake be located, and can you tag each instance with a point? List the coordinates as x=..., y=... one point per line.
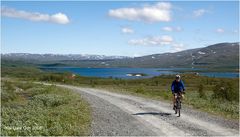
x=136, y=74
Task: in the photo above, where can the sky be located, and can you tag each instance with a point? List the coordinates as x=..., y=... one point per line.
x=125, y=28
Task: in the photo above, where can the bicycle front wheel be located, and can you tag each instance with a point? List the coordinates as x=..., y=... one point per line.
x=179, y=114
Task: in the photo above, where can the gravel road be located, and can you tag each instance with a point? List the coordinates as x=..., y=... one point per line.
x=125, y=115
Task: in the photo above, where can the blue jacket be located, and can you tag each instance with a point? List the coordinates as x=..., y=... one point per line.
x=177, y=86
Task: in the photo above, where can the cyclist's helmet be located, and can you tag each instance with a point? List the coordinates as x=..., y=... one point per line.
x=178, y=77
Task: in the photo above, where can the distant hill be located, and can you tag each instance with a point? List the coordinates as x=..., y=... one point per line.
x=222, y=54
x=217, y=55
x=56, y=57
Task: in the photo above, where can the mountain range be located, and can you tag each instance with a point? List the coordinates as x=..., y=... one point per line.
x=57, y=57
x=217, y=55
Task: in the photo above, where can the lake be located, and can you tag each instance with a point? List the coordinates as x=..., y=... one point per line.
x=133, y=73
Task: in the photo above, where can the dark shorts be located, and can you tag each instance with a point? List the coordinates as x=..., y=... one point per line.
x=177, y=92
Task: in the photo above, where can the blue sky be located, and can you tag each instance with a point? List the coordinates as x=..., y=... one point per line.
x=116, y=28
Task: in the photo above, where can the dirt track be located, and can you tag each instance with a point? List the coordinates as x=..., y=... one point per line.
x=124, y=115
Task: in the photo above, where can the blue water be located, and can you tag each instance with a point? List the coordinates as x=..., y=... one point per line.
x=221, y=74
x=122, y=72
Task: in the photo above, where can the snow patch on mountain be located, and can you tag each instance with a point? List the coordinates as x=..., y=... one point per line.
x=202, y=53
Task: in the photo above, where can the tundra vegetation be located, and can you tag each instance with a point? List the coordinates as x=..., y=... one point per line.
x=218, y=96
x=30, y=109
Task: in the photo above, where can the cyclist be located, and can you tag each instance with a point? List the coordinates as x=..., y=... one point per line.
x=177, y=86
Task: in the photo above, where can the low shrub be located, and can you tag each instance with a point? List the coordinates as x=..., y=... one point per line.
x=139, y=90
x=225, y=90
x=51, y=100
x=201, y=92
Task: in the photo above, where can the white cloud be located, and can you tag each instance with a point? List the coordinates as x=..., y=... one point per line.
x=178, y=29
x=236, y=31
x=149, y=13
x=156, y=40
x=127, y=30
x=220, y=30
x=178, y=47
x=167, y=29
x=136, y=55
x=199, y=12
x=170, y=29
x=59, y=18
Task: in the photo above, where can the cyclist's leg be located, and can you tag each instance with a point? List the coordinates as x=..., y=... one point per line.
x=182, y=95
x=174, y=99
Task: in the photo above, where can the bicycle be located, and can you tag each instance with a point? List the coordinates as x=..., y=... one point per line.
x=178, y=103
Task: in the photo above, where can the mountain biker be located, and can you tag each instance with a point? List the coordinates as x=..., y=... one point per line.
x=177, y=86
